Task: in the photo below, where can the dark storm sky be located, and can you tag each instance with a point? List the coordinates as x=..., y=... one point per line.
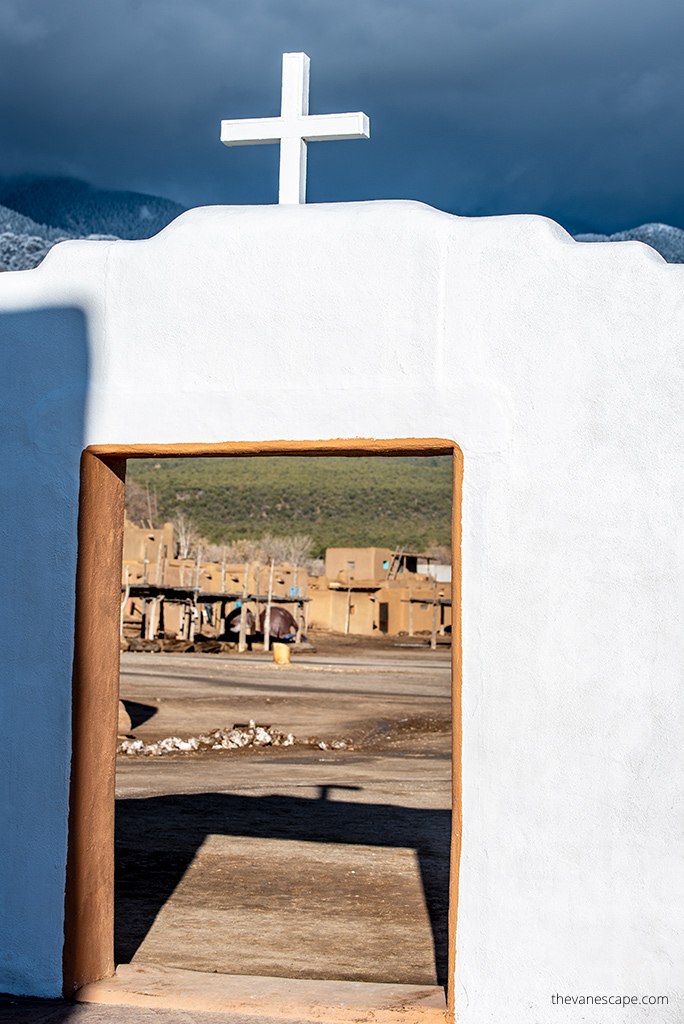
x=569, y=108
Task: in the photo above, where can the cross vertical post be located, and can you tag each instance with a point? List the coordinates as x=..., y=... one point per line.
x=294, y=128
x=294, y=104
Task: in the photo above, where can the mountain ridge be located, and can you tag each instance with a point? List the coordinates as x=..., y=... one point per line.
x=79, y=209
x=365, y=501
x=37, y=212
x=664, y=238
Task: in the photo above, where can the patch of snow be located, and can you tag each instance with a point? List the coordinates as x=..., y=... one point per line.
x=17, y=224
x=39, y=212
x=22, y=252
x=251, y=735
x=235, y=738
x=25, y=252
x=80, y=209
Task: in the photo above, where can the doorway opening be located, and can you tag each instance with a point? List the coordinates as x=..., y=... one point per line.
x=320, y=826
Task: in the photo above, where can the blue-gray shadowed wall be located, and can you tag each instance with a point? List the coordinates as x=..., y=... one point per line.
x=44, y=366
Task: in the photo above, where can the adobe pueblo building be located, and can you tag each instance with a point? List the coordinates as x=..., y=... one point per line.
x=554, y=371
x=170, y=600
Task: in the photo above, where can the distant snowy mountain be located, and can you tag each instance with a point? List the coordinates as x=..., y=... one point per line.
x=666, y=240
x=79, y=209
x=18, y=224
x=37, y=212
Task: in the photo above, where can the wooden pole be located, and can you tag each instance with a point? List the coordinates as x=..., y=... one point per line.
x=300, y=617
x=410, y=611
x=433, y=640
x=127, y=594
x=267, y=618
x=89, y=896
x=256, y=603
x=159, y=559
x=163, y=571
x=154, y=604
x=347, y=623
x=242, y=642
x=186, y=629
x=197, y=566
x=298, y=606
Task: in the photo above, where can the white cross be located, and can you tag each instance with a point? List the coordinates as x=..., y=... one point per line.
x=294, y=128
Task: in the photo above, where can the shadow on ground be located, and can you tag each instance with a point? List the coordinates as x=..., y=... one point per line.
x=139, y=713
x=15, y=1010
x=158, y=837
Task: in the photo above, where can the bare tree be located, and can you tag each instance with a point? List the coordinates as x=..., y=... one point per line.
x=295, y=549
x=213, y=552
x=271, y=547
x=441, y=553
x=136, y=504
x=299, y=549
x=186, y=535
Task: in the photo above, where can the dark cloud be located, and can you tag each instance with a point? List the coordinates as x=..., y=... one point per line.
x=569, y=108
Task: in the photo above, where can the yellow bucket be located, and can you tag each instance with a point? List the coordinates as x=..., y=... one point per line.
x=281, y=654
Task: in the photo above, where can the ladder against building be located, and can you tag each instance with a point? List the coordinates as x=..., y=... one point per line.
x=404, y=561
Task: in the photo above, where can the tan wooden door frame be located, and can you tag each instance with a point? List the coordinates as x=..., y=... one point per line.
x=89, y=896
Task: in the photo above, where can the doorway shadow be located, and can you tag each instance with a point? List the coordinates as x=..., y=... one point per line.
x=139, y=713
x=158, y=837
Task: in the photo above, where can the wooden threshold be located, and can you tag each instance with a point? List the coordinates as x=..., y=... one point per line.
x=286, y=999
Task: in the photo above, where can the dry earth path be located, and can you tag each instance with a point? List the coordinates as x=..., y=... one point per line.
x=294, y=862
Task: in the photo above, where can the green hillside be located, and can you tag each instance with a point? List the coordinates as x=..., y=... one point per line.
x=338, y=501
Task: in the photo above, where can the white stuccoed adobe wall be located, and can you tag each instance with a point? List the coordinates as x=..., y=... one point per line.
x=558, y=368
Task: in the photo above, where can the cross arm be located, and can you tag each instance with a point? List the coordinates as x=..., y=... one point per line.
x=252, y=131
x=331, y=127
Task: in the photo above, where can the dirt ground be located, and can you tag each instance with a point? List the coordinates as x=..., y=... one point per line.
x=296, y=861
